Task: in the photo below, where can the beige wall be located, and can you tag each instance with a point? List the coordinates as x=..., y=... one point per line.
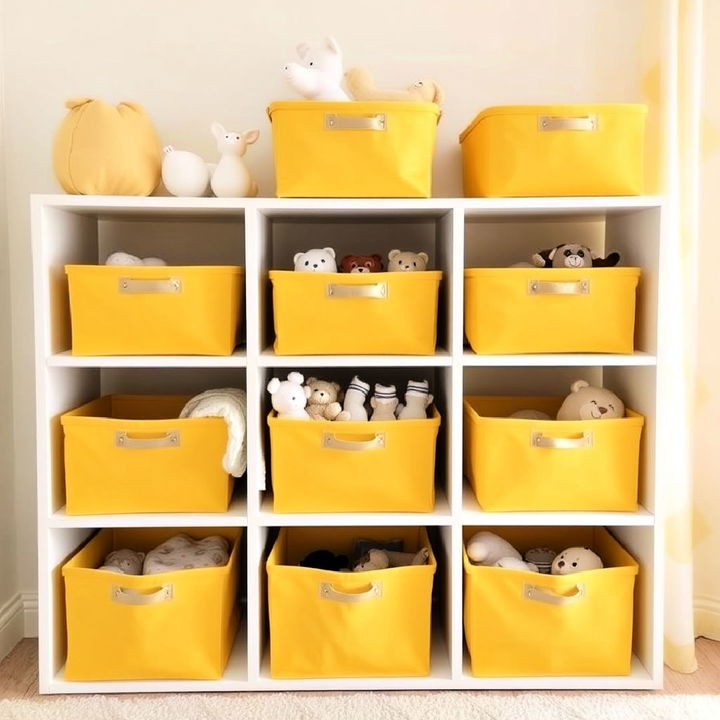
x=191, y=63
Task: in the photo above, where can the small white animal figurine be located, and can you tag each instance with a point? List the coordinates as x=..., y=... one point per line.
x=384, y=402
x=319, y=74
x=289, y=397
x=316, y=260
x=417, y=400
x=184, y=174
x=231, y=178
x=354, y=403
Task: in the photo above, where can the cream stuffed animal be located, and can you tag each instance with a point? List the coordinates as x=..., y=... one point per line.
x=575, y=559
x=322, y=400
x=354, y=403
x=407, y=261
x=125, y=561
x=361, y=85
x=319, y=74
x=487, y=548
x=586, y=402
x=417, y=400
x=384, y=402
x=377, y=559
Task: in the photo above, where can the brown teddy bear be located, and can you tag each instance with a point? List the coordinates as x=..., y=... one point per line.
x=323, y=399
x=361, y=264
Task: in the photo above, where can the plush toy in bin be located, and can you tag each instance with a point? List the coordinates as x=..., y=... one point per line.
x=354, y=403
x=125, y=561
x=572, y=256
x=417, y=400
x=406, y=261
x=586, y=402
x=323, y=399
x=361, y=264
x=378, y=559
x=289, y=397
x=319, y=74
x=315, y=260
x=361, y=85
x=123, y=258
x=575, y=559
x=487, y=548
x=384, y=402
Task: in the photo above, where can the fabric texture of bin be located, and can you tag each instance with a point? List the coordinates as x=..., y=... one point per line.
x=520, y=623
x=515, y=464
x=550, y=310
x=177, y=625
x=541, y=150
x=391, y=313
x=358, y=149
x=154, y=310
x=348, y=624
x=133, y=454
x=378, y=466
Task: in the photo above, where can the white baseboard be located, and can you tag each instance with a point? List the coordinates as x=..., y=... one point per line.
x=12, y=624
x=707, y=616
x=30, y=607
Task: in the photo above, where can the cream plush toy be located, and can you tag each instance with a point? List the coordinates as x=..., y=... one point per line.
x=586, y=402
x=123, y=258
x=530, y=415
x=417, y=400
x=319, y=74
x=361, y=85
x=316, y=260
x=406, y=261
x=354, y=403
x=487, y=548
x=289, y=397
x=575, y=559
x=377, y=559
x=322, y=400
x=231, y=177
x=125, y=561
x=384, y=402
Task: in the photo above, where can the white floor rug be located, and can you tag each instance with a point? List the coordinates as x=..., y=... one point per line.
x=369, y=706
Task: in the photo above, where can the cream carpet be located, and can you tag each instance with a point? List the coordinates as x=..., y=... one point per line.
x=452, y=705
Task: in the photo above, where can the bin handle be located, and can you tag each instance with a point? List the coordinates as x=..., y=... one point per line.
x=537, y=593
x=143, y=286
x=346, y=121
x=328, y=592
x=543, y=287
x=331, y=440
x=541, y=440
x=376, y=290
x=550, y=123
x=124, y=439
x=131, y=596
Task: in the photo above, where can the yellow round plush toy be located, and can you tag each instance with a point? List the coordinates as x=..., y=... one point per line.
x=103, y=149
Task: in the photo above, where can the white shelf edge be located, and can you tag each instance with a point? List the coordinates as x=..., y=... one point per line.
x=67, y=359
x=441, y=358
x=640, y=359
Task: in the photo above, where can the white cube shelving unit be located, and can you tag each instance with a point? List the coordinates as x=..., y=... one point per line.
x=261, y=234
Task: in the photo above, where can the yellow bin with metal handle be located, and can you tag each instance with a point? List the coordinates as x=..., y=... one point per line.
x=541, y=150
x=176, y=625
x=517, y=464
x=389, y=313
x=134, y=454
x=353, y=149
x=550, y=310
x=521, y=624
x=325, y=623
x=154, y=310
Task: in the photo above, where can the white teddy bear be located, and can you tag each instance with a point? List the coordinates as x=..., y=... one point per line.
x=407, y=261
x=289, y=397
x=316, y=260
x=319, y=74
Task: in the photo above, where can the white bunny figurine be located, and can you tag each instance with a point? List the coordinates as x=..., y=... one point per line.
x=231, y=178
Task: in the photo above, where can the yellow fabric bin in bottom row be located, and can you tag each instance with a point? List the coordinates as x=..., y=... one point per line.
x=520, y=623
x=177, y=625
x=348, y=624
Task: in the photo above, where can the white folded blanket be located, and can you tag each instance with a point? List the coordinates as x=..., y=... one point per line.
x=230, y=404
x=181, y=552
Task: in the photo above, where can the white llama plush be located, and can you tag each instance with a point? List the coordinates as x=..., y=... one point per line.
x=319, y=74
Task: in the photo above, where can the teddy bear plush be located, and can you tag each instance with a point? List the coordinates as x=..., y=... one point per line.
x=575, y=559
x=406, y=261
x=361, y=264
x=384, y=402
x=378, y=559
x=319, y=74
x=354, y=403
x=417, y=400
x=125, y=561
x=316, y=260
x=361, y=85
x=571, y=256
x=586, y=402
x=323, y=399
x=289, y=397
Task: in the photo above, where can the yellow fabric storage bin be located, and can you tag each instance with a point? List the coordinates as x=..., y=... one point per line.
x=348, y=624
x=392, y=313
x=550, y=310
x=520, y=623
x=353, y=149
x=540, y=150
x=177, y=625
x=154, y=310
x=133, y=454
x=549, y=465
x=375, y=466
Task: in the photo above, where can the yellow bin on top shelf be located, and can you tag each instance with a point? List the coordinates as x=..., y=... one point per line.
x=154, y=310
x=176, y=625
x=516, y=464
x=521, y=624
x=353, y=149
x=550, y=310
x=134, y=454
x=544, y=150
x=325, y=623
x=392, y=313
